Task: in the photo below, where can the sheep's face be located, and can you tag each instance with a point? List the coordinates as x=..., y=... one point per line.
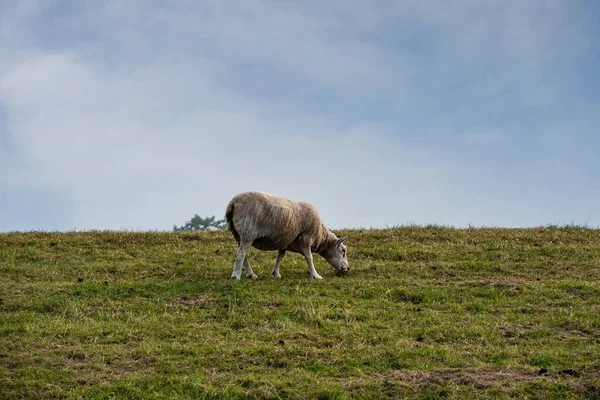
x=336, y=256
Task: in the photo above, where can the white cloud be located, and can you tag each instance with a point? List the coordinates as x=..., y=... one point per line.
x=126, y=165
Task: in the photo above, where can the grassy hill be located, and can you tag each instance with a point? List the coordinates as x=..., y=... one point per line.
x=426, y=312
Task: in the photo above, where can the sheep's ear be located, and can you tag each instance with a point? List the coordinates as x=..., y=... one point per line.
x=340, y=240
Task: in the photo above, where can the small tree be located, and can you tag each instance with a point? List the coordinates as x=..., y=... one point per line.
x=198, y=223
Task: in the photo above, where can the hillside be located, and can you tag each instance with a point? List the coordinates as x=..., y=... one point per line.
x=426, y=312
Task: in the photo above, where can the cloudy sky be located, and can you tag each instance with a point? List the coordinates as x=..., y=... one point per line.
x=138, y=114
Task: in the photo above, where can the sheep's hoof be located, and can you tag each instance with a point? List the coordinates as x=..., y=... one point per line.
x=275, y=275
x=234, y=276
x=253, y=276
x=317, y=276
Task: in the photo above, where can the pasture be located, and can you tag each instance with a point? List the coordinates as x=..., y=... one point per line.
x=425, y=313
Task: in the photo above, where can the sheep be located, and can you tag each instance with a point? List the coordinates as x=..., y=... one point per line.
x=268, y=222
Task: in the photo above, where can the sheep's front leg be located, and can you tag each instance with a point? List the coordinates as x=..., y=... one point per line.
x=311, y=266
x=239, y=261
x=275, y=272
x=249, y=273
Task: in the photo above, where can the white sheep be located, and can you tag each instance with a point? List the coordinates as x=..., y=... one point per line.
x=269, y=222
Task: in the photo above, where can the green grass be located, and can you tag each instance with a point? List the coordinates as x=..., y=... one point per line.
x=426, y=313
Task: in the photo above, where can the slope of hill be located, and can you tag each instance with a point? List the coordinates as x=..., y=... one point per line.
x=426, y=312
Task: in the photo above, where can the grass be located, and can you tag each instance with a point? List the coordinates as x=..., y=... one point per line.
x=426, y=313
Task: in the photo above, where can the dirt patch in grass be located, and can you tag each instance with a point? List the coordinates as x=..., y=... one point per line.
x=273, y=304
x=190, y=302
x=478, y=379
x=509, y=285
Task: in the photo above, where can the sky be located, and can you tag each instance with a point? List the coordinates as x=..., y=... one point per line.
x=139, y=114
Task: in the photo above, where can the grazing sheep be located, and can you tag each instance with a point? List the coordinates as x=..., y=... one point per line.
x=270, y=222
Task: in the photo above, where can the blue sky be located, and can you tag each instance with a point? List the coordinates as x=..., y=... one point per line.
x=139, y=114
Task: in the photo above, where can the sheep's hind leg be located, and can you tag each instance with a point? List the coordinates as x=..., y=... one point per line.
x=249, y=273
x=275, y=272
x=239, y=261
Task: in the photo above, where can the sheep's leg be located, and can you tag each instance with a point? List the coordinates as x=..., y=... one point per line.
x=311, y=266
x=239, y=261
x=249, y=273
x=275, y=272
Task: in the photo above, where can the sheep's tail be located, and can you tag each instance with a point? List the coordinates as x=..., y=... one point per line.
x=229, y=219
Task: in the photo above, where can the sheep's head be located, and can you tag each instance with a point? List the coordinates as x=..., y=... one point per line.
x=335, y=254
